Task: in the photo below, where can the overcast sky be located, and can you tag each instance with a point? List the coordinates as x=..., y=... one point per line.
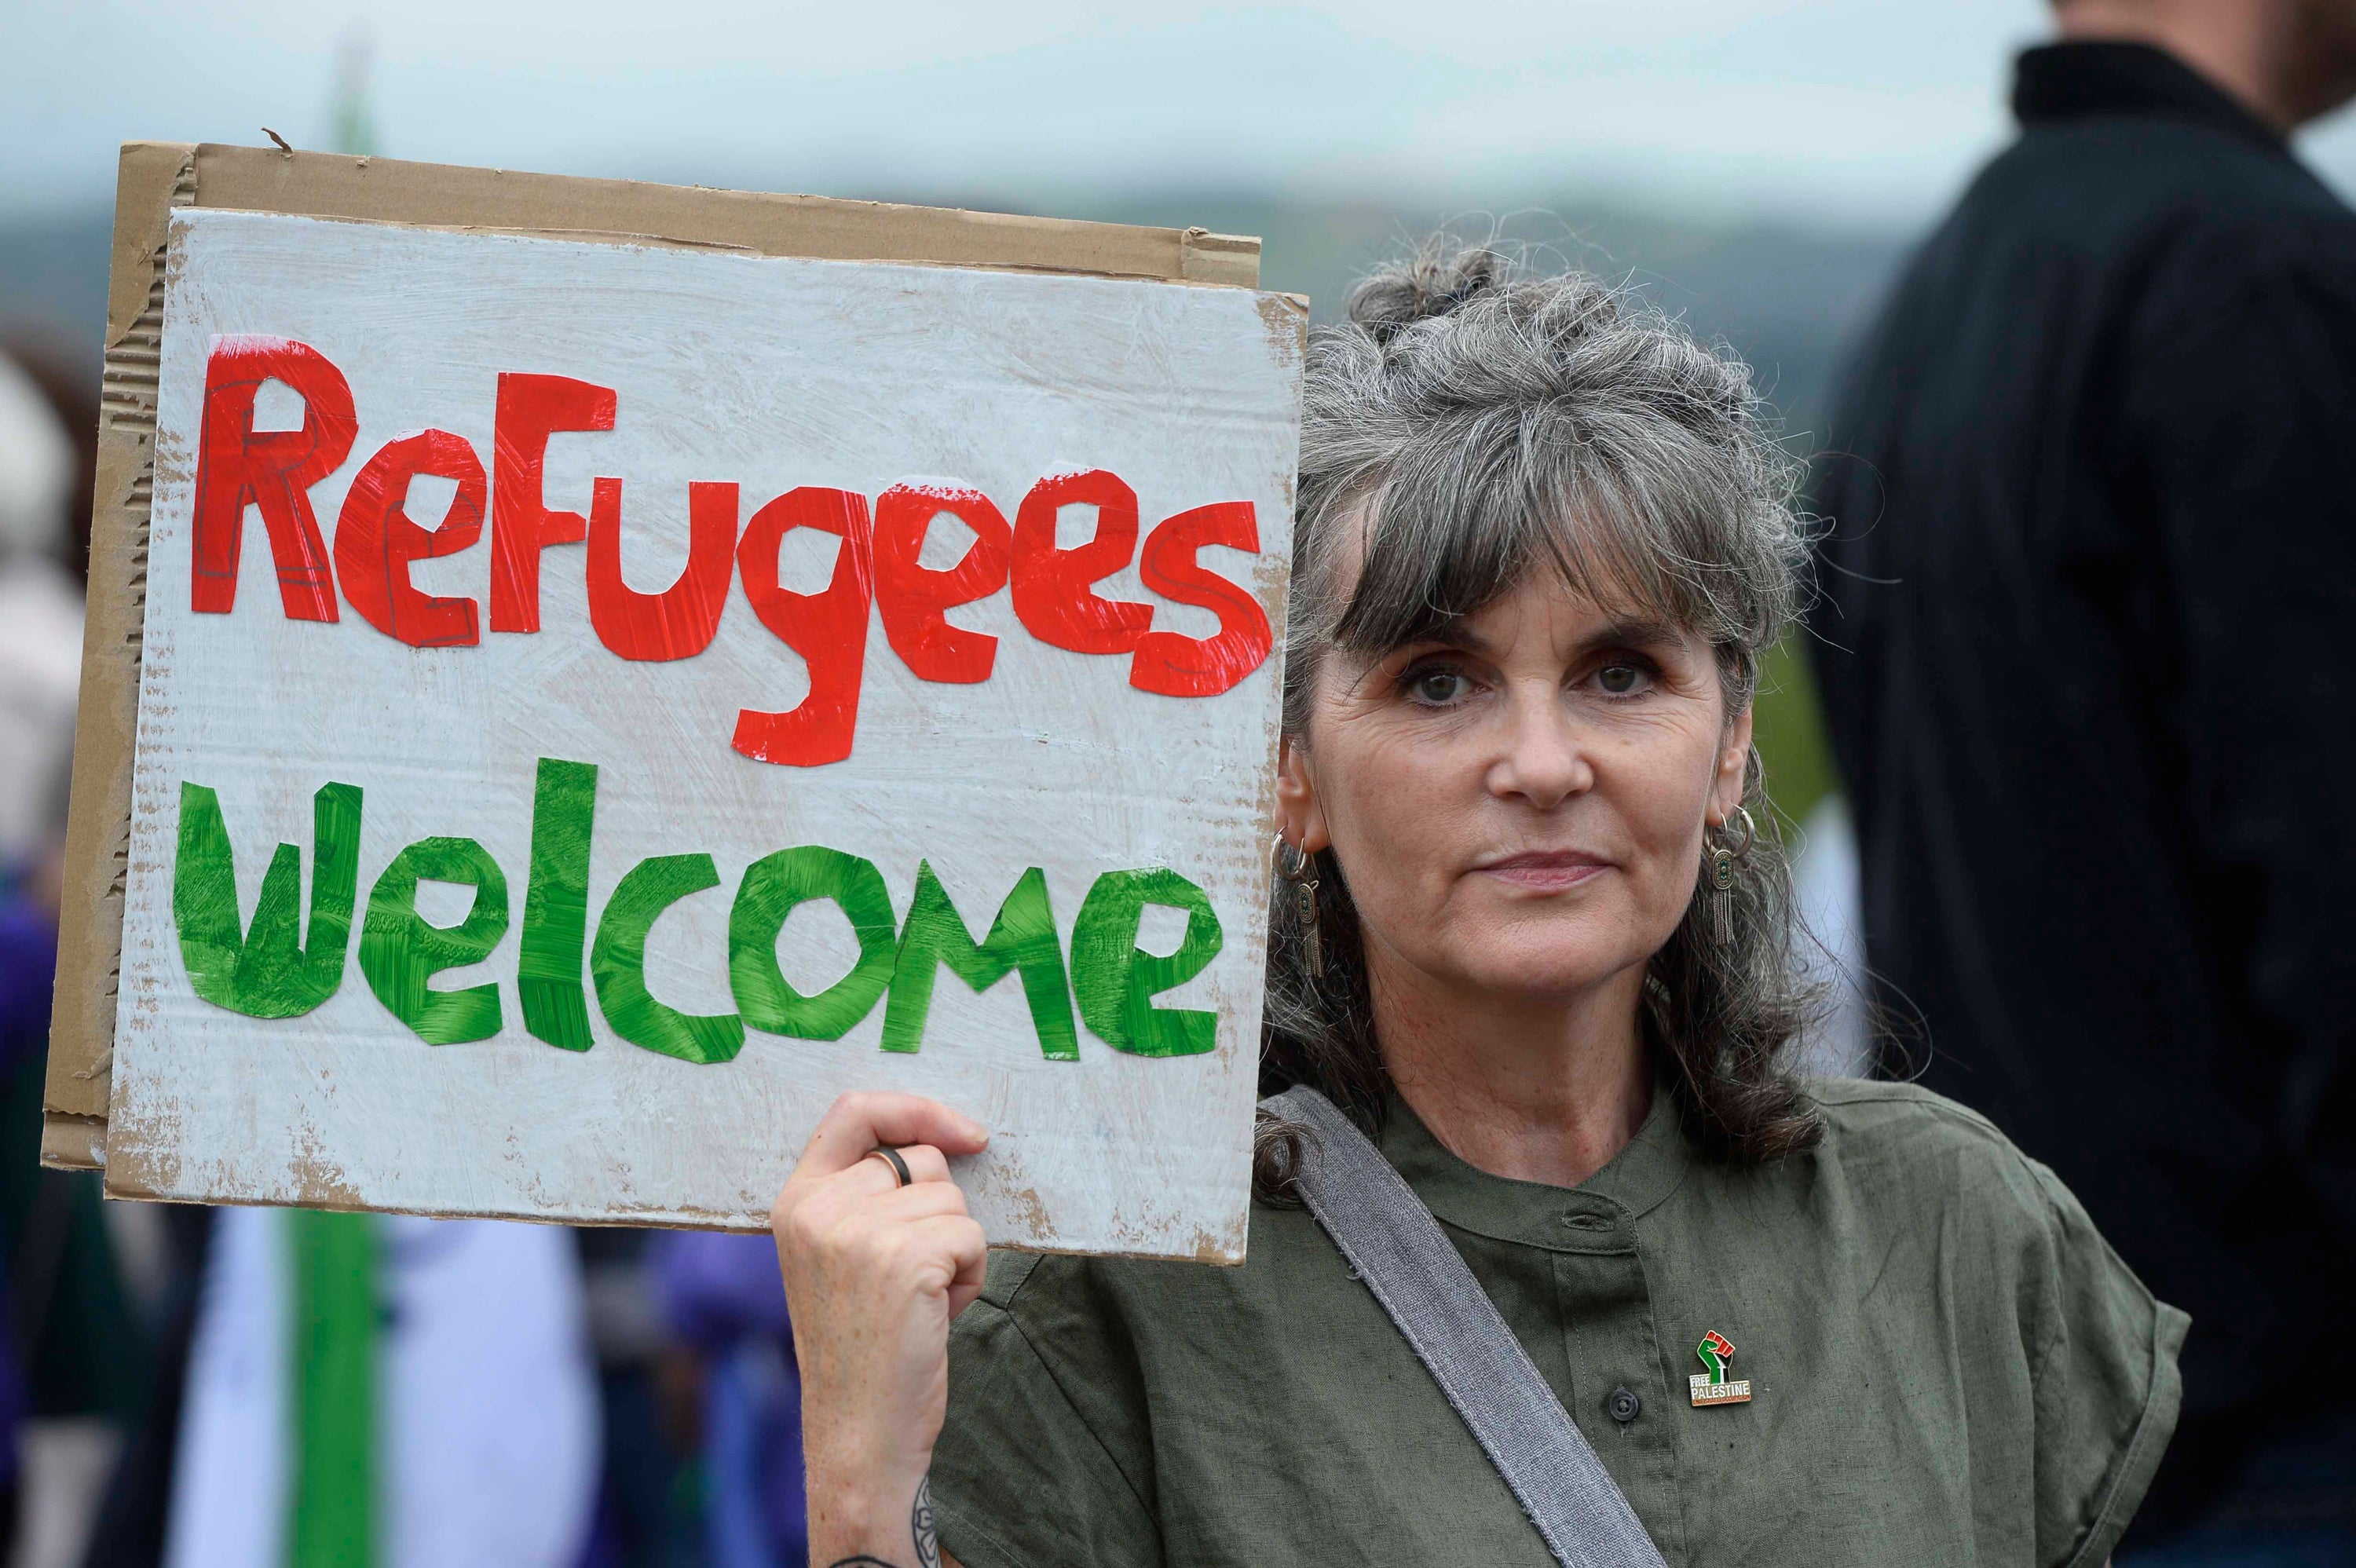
x=1857, y=113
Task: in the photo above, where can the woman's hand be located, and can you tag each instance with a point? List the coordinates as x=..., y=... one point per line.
x=873, y=1272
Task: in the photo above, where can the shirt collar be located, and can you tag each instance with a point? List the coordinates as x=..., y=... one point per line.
x=2086, y=79
x=1596, y=1216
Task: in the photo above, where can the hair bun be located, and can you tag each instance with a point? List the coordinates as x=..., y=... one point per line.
x=1439, y=278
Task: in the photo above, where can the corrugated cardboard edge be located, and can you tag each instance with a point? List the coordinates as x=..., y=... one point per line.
x=155, y=178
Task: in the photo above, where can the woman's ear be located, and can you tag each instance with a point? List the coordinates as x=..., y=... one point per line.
x=1300, y=815
x=1733, y=759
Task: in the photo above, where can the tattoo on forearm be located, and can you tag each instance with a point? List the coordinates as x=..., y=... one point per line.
x=927, y=1540
x=920, y=1526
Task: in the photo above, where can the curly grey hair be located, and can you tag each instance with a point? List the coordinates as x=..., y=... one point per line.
x=1473, y=421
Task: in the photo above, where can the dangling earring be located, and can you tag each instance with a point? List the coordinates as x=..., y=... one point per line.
x=1719, y=866
x=1294, y=867
x=1723, y=855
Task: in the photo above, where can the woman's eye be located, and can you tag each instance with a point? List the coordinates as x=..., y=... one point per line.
x=1621, y=679
x=1438, y=688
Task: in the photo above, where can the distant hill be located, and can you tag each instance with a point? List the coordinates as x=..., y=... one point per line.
x=53, y=281
x=1785, y=297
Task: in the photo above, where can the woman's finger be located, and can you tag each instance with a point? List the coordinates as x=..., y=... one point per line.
x=873, y=1173
x=960, y=1240
x=869, y=1194
x=921, y=1201
x=857, y=1123
x=972, y=1269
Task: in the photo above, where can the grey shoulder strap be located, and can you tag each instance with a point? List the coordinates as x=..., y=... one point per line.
x=1393, y=1244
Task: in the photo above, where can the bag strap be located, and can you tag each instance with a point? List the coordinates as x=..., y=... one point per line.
x=1392, y=1241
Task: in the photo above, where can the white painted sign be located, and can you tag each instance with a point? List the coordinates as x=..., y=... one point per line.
x=601, y=703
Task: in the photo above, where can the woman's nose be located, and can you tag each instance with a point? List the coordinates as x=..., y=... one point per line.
x=1544, y=758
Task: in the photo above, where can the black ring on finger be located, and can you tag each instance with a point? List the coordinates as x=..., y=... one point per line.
x=891, y=1156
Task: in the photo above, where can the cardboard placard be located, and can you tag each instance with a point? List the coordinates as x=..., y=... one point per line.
x=604, y=687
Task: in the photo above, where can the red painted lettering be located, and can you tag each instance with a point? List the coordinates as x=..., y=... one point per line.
x=680, y=621
x=912, y=596
x=828, y=629
x=530, y=409
x=1052, y=595
x=1177, y=666
x=376, y=540
x=273, y=470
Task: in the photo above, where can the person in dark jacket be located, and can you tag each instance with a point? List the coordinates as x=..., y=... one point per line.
x=2087, y=647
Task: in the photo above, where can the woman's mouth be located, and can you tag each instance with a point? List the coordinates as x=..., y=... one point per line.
x=1545, y=871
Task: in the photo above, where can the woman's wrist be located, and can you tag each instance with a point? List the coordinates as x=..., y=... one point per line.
x=868, y=1521
x=859, y=1468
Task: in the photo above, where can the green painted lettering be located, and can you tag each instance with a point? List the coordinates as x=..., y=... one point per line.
x=1023, y=938
x=400, y=952
x=617, y=964
x=266, y=971
x=556, y=905
x=1116, y=981
x=772, y=887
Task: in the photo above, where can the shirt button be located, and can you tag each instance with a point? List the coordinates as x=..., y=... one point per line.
x=1622, y=1405
x=1586, y=1221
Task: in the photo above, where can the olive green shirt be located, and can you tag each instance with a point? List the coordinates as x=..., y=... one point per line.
x=1947, y=1365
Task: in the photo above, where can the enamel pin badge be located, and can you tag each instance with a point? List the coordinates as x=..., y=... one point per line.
x=1711, y=1387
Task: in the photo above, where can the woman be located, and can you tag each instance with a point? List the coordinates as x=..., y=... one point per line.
x=1543, y=543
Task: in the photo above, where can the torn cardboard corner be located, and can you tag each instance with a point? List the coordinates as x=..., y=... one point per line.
x=155, y=178
x=73, y=1143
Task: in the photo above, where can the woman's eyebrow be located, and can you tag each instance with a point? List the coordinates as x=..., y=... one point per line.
x=1457, y=633
x=1632, y=633
x=1460, y=634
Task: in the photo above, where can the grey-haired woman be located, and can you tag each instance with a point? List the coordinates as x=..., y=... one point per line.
x=1542, y=545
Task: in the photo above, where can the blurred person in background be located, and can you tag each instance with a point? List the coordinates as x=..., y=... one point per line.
x=72, y=1363
x=370, y=1391
x=37, y=703
x=650, y=1387
x=724, y=1296
x=41, y=467
x=2085, y=650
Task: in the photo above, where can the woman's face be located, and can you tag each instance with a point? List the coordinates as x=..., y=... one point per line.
x=1518, y=806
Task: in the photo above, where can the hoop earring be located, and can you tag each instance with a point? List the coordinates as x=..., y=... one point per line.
x=1294, y=867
